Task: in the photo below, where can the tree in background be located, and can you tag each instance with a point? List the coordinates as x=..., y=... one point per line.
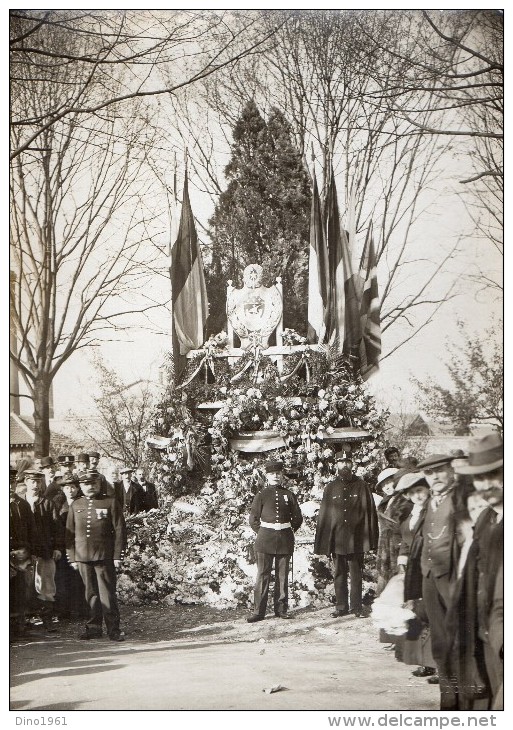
x=263, y=215
x=124, y=416
x=475, y=394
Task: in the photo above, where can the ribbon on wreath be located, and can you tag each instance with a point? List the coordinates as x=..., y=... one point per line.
x=208, y=361
x=255, y=362
x=303, y=361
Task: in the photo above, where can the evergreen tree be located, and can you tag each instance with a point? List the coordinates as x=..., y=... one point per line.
x=262, y=216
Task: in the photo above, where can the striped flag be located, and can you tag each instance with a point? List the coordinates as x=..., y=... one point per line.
x=318, y=273
x=370, y=346
x=344, y=311
x=189, y=294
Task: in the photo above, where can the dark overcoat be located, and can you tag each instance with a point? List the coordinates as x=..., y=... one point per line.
x=347, y=522
x=275, y=505
x=150, y=499
x=132, y=501
x=95, y=530
x=49, y=534
x=21, y=525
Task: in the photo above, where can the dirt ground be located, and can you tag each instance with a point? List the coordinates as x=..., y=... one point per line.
x=198, y=658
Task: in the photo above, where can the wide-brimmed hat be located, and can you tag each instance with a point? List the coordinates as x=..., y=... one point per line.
x=271, y=467
x=412, y=479
x=430, y=462
x=386, y=474
x=484, y=454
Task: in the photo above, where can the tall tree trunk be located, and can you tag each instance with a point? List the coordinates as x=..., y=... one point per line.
x=42, y=387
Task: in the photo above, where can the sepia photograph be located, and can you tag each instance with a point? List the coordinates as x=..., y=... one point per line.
x=256, y=381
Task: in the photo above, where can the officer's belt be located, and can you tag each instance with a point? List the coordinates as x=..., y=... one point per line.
x=275, y=525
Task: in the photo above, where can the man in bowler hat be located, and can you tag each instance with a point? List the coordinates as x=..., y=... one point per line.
x=275, y=516
x=95, y=543
x=347, y=527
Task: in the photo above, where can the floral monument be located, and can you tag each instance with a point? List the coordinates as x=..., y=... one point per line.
x=234, y=408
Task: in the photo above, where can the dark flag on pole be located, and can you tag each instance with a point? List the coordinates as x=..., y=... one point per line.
x=344, y=310
x=370, y=347
x=318, y=272
x=189, y=293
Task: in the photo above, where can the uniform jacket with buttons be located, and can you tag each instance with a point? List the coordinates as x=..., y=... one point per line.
x=347, y=522
x=95, y=530
x=275, y=505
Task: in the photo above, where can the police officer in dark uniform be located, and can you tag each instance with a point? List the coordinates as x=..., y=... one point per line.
x=95, y=543
x=275, y=516
x=347, y=527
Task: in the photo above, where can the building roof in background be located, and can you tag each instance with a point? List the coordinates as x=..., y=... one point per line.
x=21, y=430
x=21, y=434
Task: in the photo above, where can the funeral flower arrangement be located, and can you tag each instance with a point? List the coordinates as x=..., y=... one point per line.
x=198, y=547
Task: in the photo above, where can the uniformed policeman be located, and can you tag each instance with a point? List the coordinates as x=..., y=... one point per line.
x=95, y=542
x=347, y=527
x=275, y=516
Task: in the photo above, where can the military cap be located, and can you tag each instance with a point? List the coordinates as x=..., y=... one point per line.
x=70, y=479
x=47, y=461
x=343, y=456
x=83, y=458
x=126, y=470
x=66, y=459
x=94, y=454
x=88, y=477
x=32, y=474
x=273, y=466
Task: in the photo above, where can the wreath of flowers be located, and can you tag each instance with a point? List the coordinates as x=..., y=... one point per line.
x=315, y=394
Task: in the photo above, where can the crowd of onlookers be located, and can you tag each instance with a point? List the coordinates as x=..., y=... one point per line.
x=440, y=549
x=436, y=526
x=66, y=536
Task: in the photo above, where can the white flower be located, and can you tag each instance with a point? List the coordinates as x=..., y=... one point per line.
x=323, y=404
x=330, y=430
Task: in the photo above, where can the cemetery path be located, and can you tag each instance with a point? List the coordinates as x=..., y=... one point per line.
x=199, y=658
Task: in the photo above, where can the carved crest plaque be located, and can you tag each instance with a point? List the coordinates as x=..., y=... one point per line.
x=255, y=310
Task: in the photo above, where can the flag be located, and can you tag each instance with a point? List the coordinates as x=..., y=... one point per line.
x=189, y=293
x=344, y=312
x=370, y=346
x=318, y=272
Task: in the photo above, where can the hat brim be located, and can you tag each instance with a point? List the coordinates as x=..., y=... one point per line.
x=479, y=469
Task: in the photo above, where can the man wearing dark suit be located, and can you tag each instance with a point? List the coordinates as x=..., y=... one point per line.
x=129, y=493
x=51, y=482
x=21, y=543
x=347, y=527
x=438, y=563
x=95, y=543
x=275, y=516
x=486, y=467
x=150, y=500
